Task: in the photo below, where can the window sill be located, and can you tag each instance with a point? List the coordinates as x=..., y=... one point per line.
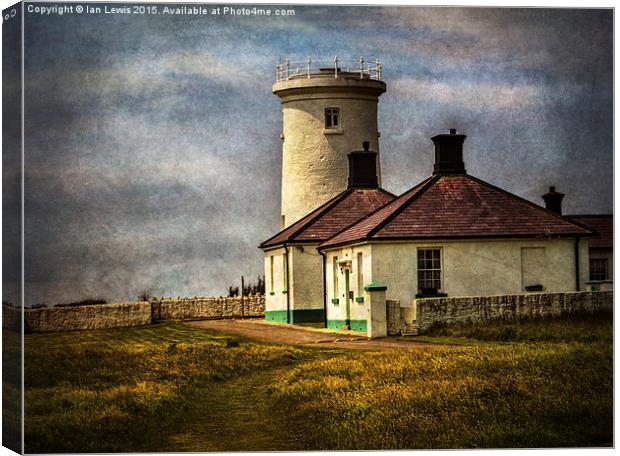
x=333, y=131
x=534, y=288
x=431, y=295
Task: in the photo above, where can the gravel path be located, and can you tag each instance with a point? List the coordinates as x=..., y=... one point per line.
x=296, y=335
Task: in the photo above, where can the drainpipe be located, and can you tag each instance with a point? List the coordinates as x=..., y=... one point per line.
x=288, y=292
x=577, y=263
x=324, y=288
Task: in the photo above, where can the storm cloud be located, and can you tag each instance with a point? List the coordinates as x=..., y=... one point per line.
x=152, y=142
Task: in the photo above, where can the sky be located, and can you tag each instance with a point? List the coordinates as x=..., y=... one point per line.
x=153, y=151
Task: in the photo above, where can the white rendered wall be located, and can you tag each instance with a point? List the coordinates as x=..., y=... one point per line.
x=314, y=159
x=306, y=280
x=274, y=298
x=470, y=268
x=477, y=268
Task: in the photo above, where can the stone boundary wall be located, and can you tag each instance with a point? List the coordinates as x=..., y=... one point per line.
x=121, y=315
x=508, y=307
x=208, y=308
x=97, y=316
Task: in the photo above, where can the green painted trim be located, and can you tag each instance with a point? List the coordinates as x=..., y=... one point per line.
x=335, y=301
x=355, y=325
x=284, y=291
x=278, y=316
x=359, y=299
x=271, y=293
x=296, y=316
x=375, y=286
x=307, y=316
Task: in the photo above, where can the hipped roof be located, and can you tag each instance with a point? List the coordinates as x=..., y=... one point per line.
x=330, y=218
x=457, y=206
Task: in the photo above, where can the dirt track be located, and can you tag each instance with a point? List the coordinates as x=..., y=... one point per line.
x=295, y=335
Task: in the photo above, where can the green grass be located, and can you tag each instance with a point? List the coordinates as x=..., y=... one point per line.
x=584, y=328
x=137, y=389
x=170, y=387
x=11, y=389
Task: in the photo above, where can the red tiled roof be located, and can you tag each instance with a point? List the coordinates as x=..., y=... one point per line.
x=604, y=226
x=457, y=206
x=338, y=213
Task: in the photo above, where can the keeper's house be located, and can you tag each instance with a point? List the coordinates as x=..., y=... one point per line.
x=451, y=235
x=347, y=246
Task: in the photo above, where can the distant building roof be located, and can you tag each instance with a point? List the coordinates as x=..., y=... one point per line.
x=604, y=226
x=333, y=216
x=457, y=206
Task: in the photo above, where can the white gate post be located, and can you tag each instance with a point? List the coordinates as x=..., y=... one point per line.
x=377, y=310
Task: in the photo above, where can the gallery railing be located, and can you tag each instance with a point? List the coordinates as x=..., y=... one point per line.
x=335, y=68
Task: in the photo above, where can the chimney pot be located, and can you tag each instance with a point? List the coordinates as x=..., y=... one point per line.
x=363, y=168
x=553, y=200
x=453, y=131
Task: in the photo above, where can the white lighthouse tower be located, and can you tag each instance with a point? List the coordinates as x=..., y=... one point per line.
x=329, y=109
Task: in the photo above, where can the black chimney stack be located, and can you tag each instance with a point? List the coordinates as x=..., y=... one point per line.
x=553, y=200
x=363, y=168
x=449, y=153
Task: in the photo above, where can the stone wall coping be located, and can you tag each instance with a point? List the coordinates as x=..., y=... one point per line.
x=88, y=306
x=419, y=301
x=133, y=313
x=193, y=298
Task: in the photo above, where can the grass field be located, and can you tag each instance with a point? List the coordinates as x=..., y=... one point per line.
x=170, y=387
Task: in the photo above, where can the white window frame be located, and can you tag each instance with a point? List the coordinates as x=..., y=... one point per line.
x=604, y=261
x=332, y=112
x=271, y=280
x=360, y=273
x=432, y=269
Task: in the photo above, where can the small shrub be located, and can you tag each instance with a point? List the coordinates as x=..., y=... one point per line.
x=233, y=291
x=38, y=305
x=83, y=302
x=145, y=295
x=249, y=288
